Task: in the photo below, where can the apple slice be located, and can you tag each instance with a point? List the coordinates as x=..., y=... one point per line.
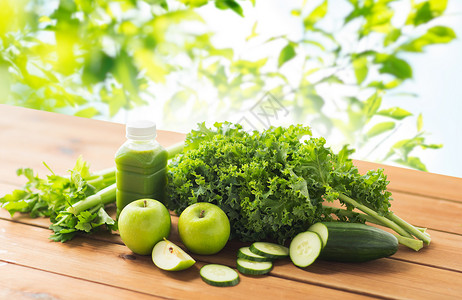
x=168, y=256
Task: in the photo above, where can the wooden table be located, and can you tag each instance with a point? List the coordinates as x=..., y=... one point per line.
x=100, y=266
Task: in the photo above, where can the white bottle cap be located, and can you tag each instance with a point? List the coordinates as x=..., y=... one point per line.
x=141, y=130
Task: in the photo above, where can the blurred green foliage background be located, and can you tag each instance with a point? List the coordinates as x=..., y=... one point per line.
x=336, y=72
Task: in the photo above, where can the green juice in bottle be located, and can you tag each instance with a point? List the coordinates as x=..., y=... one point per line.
x=141, y=165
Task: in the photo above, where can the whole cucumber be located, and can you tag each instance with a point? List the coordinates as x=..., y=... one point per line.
x=354, y=242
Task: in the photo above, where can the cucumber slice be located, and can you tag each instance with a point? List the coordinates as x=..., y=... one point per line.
x=305, y=248
x=219, y=275
x=245, y=252
x=322, y=231
x=269, y=250
x=250, y=267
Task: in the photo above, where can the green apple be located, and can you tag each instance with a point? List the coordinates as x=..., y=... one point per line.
x=168, y=256
x=204, y=228
x=142, y=224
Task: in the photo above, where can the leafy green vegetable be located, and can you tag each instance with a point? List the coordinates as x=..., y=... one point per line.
x=74, y=203
x=274, y=184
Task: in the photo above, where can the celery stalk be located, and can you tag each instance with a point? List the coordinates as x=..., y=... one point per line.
x=105, y=196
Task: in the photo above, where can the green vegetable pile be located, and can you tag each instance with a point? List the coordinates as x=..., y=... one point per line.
x=275, y=183
x=272, y=185
x=74, y=203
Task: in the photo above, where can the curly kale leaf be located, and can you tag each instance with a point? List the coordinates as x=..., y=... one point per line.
x=252, y=177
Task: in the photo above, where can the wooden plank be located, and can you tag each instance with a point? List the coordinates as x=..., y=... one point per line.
x=56, y=139
x=372, y=278
x=382, y=277
x=59, y=140
x=18, y=282
x=427, y=212
x=443, y=253
x=113, y=264
x=418, y=182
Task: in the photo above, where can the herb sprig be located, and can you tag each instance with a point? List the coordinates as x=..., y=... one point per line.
x=74, y=203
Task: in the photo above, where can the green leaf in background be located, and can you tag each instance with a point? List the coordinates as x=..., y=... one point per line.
x=413, y=162
x=419, y=123
x=155, y=69
x=438, y=6
x=10, y=19
x=317, y=14
x=432, y=146
x=361, y=69
x=179, y=99
x=115, y=99
x=159, y=25
x=231, y=4
x=378, y=17
x=312, y=103
x=380, y=85
x=97, y=66
x=161, y=3
x=314, y=43
x=224, y=52
x=194, y=3
x=253, y=33
x=4, y=78
x=380, y=128
x=395, y=112
x=404, y=147
x=354, y=2
x=393, y=65
x=296, y=12
x=88, y=112
x=392, y=37
x=372, y=105
x=287, y=53
x=434, y=35
x=125, y=71
x=355, y=13
x=423, y=12
x=66, y=31
x=249, y=67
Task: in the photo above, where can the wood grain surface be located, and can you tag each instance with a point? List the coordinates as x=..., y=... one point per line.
x=101, y=267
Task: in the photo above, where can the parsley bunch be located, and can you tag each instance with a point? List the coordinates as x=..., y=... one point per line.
x=74, y=203
x=274, y=184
